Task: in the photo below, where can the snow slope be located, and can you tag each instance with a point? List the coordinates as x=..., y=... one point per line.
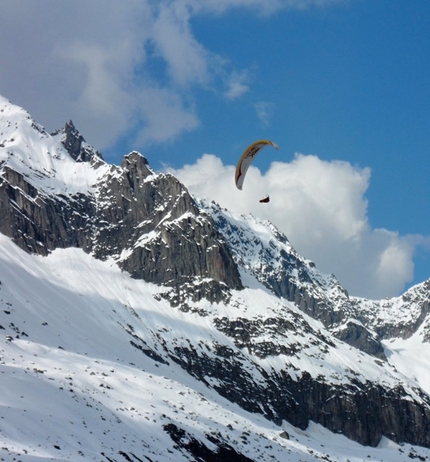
x=75, y=388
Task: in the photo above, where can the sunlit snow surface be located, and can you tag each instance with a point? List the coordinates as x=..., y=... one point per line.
x=74, y=388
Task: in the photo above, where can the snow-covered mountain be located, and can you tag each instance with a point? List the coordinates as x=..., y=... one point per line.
x=140, y=323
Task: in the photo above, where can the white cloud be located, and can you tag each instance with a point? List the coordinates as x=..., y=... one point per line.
x=237, y=84
x=101, y=97
x=165, y=114
x=321, y=207
x=187, y=60
x=90, y=61
x=97, y=62
x=264, y=111
x=265, y=7
x=67, y=60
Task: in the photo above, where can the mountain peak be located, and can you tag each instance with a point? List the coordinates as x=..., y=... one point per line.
x=75, y=144
x=136, y=161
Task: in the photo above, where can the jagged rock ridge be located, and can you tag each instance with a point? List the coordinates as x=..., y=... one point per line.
x=75, y=144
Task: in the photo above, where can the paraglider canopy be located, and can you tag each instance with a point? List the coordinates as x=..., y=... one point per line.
x=246, y=159
x=265, y=200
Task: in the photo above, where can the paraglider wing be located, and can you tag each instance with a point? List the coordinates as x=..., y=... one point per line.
x=265, y=200
x=246, y=159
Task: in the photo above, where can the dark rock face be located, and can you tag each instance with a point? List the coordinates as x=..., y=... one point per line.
x=185, y=244
x=200, y=451
x=75, y=144
x=298, y=281
x=364, y=412
x=356, y=334
x=38, y=223
x=153, y=216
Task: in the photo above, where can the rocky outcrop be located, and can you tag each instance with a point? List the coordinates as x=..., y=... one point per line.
x=148, y=222
x=199, y=451
x=155, y=223
x=399, y=317
x=357, y=335
x=288, y=275
x=39, y=223
x=75, y=144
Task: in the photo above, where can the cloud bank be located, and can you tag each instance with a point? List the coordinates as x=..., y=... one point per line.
x=322, y=209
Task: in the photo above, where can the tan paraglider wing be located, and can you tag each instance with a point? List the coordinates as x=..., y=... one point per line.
x=247, y=157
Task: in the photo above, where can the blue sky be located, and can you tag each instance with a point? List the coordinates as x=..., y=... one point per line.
x=342, y=86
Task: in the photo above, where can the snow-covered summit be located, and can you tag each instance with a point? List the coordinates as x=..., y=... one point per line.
x=42, y=159
x=401, y=316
